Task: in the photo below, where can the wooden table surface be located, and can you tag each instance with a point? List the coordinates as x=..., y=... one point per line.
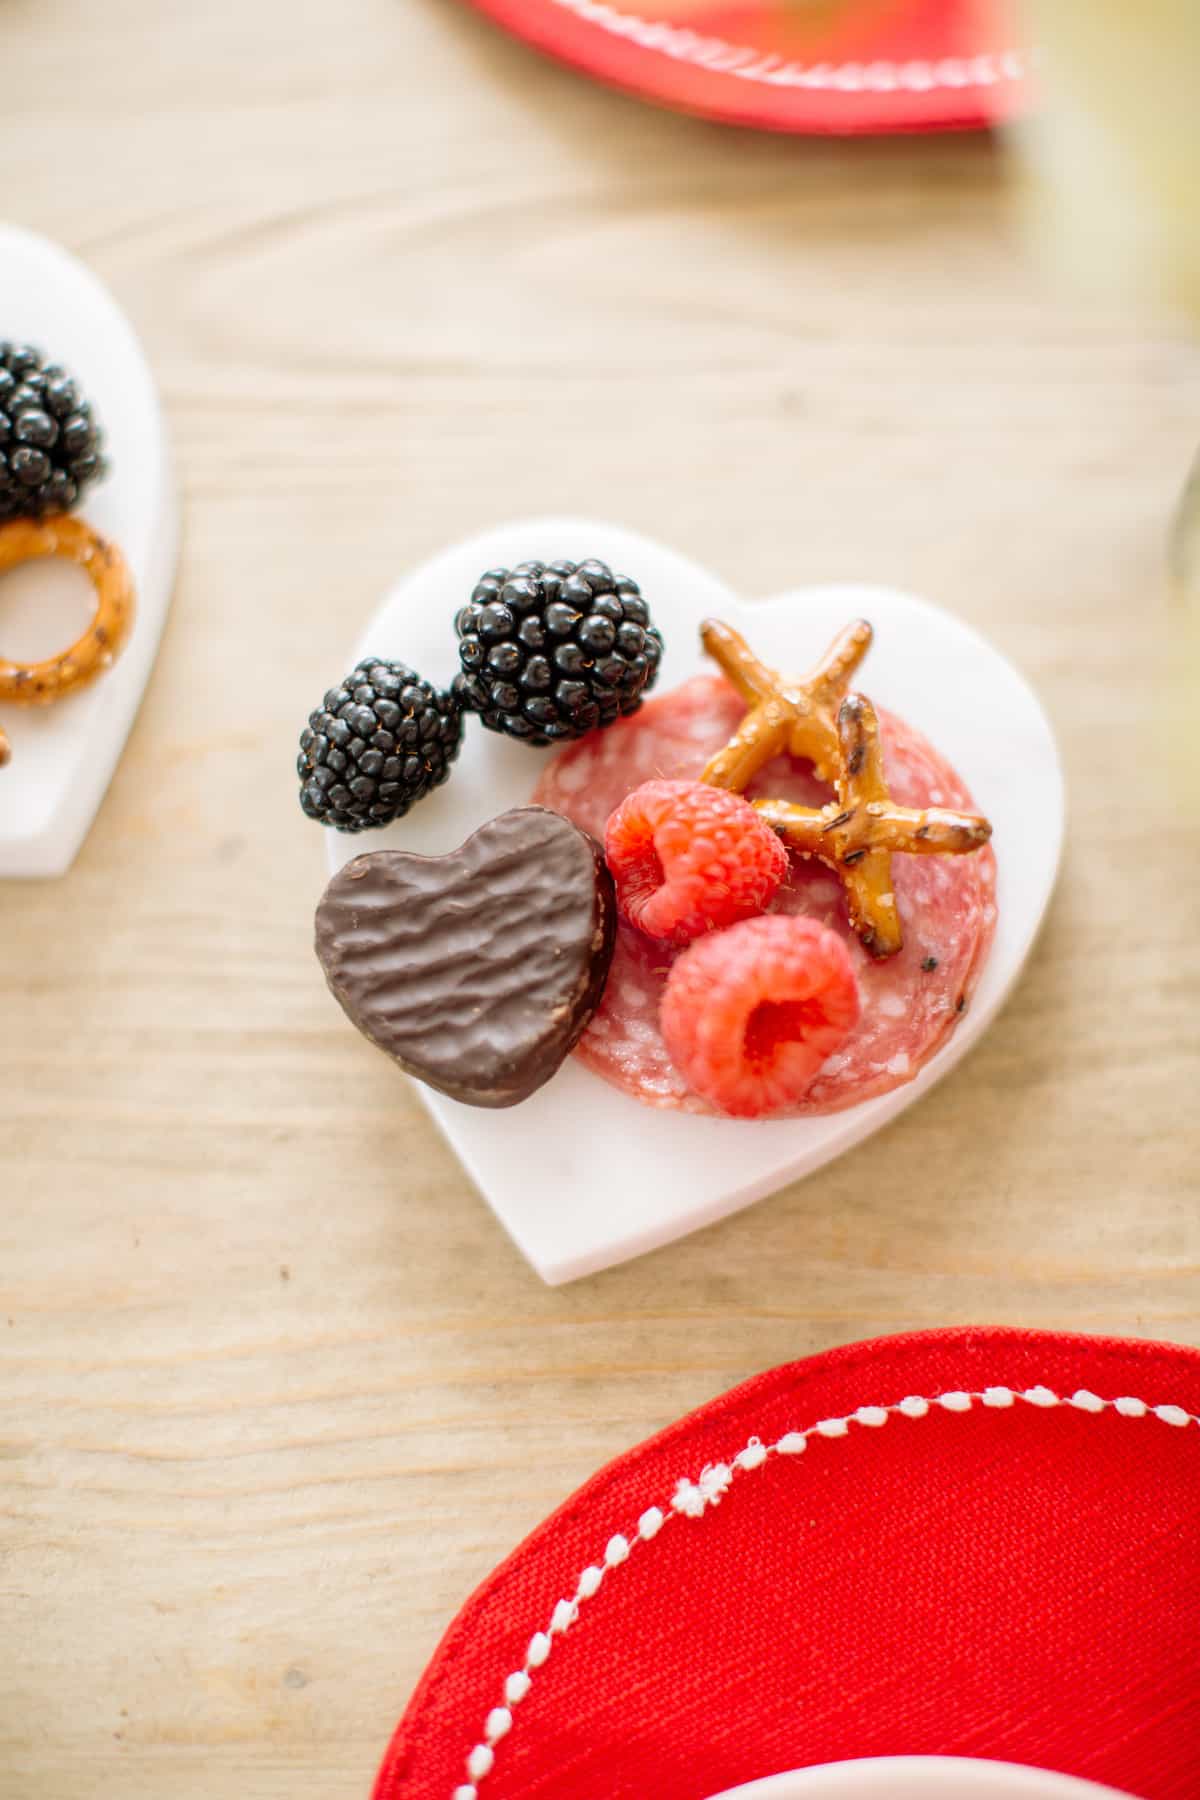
x=276, y=1391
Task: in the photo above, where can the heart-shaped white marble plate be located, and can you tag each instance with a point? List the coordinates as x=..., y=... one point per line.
x=921, y=1778
x=582, y=1175
x=63, y=755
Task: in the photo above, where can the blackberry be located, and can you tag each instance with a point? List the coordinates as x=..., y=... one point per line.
x=375, y=746
x=49, y=443
x=551, y=650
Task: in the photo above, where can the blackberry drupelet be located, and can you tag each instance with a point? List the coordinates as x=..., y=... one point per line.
x=551, y=650
x=50, y=447
x=375, y=746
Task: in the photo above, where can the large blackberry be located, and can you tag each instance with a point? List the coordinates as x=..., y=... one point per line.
x=551, y=650
x=375, y=746
x=49, y=442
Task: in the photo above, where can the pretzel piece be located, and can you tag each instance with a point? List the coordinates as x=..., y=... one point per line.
x=41, y=683
x=858, y=835
x=796, y=716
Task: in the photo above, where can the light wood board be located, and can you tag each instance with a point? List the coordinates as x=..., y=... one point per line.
x=275, y=1392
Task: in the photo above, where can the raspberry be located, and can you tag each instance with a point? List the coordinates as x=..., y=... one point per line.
x=688, y=859
x=750, y=1014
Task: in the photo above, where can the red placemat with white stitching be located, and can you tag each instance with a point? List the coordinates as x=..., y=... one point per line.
x=974, y=1543
x=842, y=66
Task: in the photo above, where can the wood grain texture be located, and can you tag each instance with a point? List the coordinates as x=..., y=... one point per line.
x=275, y=1390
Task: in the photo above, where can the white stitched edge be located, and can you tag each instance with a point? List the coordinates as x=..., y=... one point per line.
x=916, y=76
x=693, y=1499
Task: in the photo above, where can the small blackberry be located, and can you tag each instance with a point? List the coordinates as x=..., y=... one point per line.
x=375, y=746
x=49, y=443
x=551, y=650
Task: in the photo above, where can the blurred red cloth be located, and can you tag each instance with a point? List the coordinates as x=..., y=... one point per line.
x=844, y=66
x=1019, y=1582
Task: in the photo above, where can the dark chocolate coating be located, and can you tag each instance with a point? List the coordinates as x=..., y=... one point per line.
x=478, y=971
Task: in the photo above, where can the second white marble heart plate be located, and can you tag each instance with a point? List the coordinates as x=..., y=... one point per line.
x=581, y=1174
x=921, y=1778
x=63, y=756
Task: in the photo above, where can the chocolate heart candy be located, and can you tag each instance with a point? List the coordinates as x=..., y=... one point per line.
x=477, y=971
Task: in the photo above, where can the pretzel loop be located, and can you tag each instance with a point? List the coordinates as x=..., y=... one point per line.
x=41, y=683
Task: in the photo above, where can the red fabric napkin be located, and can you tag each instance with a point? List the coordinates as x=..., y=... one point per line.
x=976, y=1543
x=824, y=66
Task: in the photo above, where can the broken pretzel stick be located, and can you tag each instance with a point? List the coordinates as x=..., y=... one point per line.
x=857, y=835
x=792, y=716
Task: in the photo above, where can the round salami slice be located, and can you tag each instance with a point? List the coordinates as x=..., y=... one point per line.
x=910, y=1002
